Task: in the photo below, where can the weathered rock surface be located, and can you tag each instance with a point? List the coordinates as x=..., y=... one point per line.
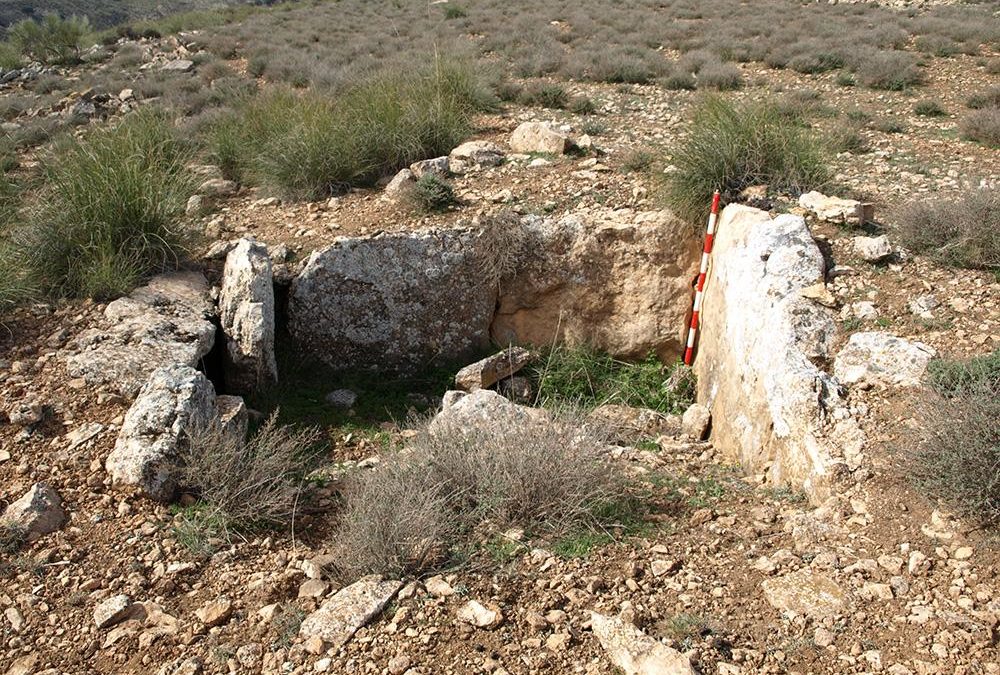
x=162, y=323
x=473, y=155
x=619, y=281
x=337, y=619
x=38, y=512
x=806, y=593
x=873, y=249
x=834, y=209
x=399, y=182
x=881, y=359
x=113, y=610
x=437, y=166
x=540, y=137
x=487, y=372
x=174, y=402
x=759, y=342
x=479, y=615
x=393, y=301
x=482, y=407
x=635, y=652
x=246, y=311
x=695, y=421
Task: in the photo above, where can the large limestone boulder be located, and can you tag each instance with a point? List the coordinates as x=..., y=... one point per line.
x=393, y=301
x=620, y=281
x=162, y=323
x=246, y=311
x=37, y=513
x=759, y=343
x=176, y=401
x=634, y=652
x=881, y=359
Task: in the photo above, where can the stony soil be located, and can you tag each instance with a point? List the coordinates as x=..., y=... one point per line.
x=918, y=587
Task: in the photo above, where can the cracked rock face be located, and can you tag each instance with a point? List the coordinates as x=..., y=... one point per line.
x=164, y=322
x=174, y=402
x=246, y=312
x=395, y=301
x=619, y=281
x=759, y=343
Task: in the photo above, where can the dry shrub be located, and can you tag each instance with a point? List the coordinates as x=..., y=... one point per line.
x=982, y=126
x=504, y=244
x=956, y=451
x=460, y=483
x=891, y=71
x=963, y=232
x=247, y=483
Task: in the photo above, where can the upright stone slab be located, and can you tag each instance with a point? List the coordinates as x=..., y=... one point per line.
x=759, y=343
x=246, y=311
x=174, y=402
x=395, y=301
x=619, y=281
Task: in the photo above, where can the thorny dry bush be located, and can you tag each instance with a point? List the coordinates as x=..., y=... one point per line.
x=964, y=232
x=955, y=454
x=504, y=245
x=457, y=484
x=245, y=483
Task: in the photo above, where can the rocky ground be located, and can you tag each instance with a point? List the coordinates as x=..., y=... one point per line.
x=737, y=575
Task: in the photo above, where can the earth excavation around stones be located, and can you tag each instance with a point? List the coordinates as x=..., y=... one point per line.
x=347, y=337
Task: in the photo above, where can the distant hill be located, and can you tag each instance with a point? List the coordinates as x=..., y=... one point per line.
x=104, y=13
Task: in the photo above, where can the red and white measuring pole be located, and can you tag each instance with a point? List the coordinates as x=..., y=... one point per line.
x=700, y=288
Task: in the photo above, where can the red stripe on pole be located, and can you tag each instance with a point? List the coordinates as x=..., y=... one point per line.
x=706, y=251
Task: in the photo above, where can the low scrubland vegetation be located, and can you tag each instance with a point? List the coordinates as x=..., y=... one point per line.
x=243, y=484
x=52, y=40
x=307, y=145
x=732, y=146
x=955, y=453
x=457, y=485
x=962, y=232
x=108, y=213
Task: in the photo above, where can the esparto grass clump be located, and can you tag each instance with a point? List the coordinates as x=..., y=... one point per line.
x=111, y=210
x=732, y=146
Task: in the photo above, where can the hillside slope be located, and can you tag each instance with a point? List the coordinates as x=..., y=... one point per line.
x=107, y=12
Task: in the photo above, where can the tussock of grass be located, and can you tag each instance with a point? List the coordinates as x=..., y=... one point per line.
x=733, y=146
x=52, y=40
x=110, y=212
x=581, y=377
x=459, y=485
x=308, y=145
x=955, y=454
x=963, y=232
